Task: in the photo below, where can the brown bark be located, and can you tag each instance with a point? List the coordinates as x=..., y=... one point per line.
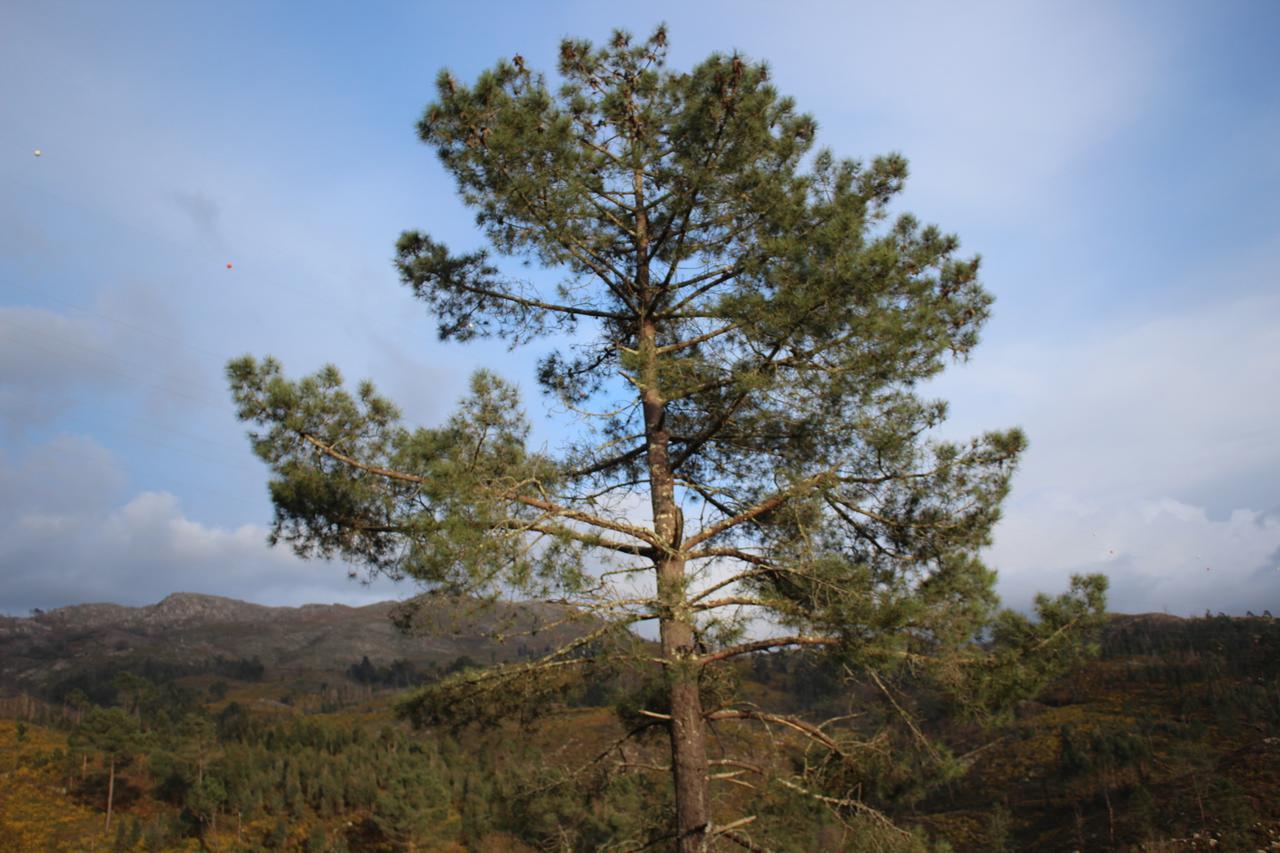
x=687, y=727
x=111, y=791
x=689, y=763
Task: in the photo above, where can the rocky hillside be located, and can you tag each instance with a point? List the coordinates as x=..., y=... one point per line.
x=190, y=630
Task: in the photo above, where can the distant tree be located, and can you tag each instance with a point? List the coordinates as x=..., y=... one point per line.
x=461, y=663
x=293, y=797
x=136, y=690
x=364, y=672
x=996, y=833
x=128, y=835
x=197, y=736
x=1109, y=756
x=411, y=805
x=317, y=841
x=78, y=702
x=278, y=837
x=204, y=800
x=751, y=458
x=114, y=734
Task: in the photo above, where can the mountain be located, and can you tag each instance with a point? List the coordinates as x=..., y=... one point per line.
x=190, y=631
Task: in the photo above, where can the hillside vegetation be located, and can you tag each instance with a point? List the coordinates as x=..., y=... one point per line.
x=1169, y=740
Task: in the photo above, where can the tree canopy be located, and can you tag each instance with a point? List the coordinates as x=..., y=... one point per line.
x=737, y=342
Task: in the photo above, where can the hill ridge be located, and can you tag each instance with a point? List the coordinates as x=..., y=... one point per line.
x=187, y=631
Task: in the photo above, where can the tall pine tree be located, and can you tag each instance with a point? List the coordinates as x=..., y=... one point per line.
x=114, y=733
x=742, y=328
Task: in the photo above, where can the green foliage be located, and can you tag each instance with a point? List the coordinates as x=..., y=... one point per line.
x=1142, y=744
x=996, y=833
x=325, y=506
x=317, y=841
x=206, y=798
x=1025, y=654
x=412, y=805
x=111, y=732
x=278, y=837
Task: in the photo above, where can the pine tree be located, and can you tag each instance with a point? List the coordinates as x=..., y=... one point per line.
x=278, y=837
x=742, y=333
x=204, y=800
x=114, y=734
x=197, y=737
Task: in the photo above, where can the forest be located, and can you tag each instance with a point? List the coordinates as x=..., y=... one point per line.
x=1168, y=739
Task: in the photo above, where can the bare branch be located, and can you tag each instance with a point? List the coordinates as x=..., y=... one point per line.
x=586, y=518
x=768, y=505
x=732, y=601
x=389, y=473
x=700, y=339
x=761, y=645
x=732, y=579
x=606, y=464
x=666, y=718
x=516, y=497
x=573, y=310
x=809, y=730
x=848, y=803
x=906, y=718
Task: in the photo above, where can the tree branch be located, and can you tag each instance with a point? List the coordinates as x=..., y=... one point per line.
x=700, y=339
x=807, y=729
x=528, y=500
x=761, y=645
x=768, y=505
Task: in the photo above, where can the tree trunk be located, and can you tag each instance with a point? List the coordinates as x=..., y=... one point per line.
x=688, y=739
x=687, y=727
x=111, y=791
x=1111, y=814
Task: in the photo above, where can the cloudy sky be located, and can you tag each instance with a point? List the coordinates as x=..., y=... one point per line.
x=1116, y=164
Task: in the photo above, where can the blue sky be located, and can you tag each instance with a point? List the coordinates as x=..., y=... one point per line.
x=1116, y=165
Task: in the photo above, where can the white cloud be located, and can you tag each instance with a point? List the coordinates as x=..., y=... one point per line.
x=51, y=361
x=1152, y=458
x=65, y=476
x=61, y=547
x=1152, y=447
x=1160, y=555
x=1171, y=406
